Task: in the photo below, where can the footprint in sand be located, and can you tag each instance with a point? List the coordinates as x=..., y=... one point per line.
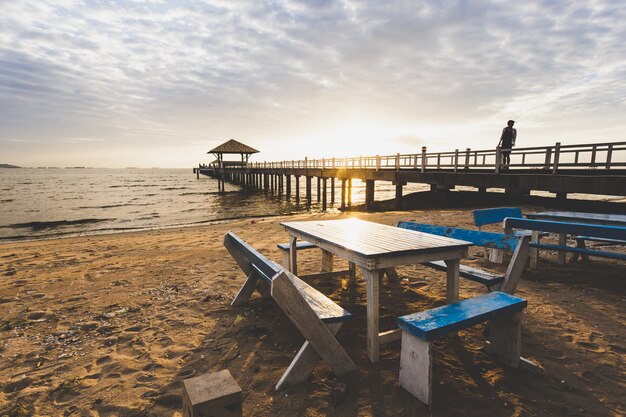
x=103, y=360
x=591, y=347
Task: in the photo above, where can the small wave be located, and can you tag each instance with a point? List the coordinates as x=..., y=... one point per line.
x=7, y=201
x=174, y=188
x=103, y=207
x=38, y=226
x=199, y=193
x=133, y=186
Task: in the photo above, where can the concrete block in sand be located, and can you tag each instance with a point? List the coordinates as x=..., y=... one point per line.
x=214, y=394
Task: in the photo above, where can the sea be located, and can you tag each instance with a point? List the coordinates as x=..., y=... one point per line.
x=38, y=203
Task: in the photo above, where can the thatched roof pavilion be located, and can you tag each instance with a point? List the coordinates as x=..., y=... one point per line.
x=232, y=147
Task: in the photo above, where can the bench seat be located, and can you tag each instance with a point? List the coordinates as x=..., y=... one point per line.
x=300, y=245
x=600, y=239
x=580, y=251
x=473, y=274
x=324, y=307
x=431, y=324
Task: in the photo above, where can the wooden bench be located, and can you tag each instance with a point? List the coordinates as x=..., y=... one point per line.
x=517, y=244
x=316, y=316
x=419, y=330
x=580, y=232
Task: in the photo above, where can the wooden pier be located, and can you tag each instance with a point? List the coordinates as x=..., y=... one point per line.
x=598, y=168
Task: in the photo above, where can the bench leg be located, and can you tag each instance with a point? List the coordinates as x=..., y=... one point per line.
x=452, y=295
x=534, y=252
x=416, y=367
x=293, y=255
x=560, y=255
x=284, y=259
x=496, y=255
x=327, y=261
x=581, y=244
x=352, y=276
x=505, y=336
x=303, y=363
x=392, y=275
x=246, y=290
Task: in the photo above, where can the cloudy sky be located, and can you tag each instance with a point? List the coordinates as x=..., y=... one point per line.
x=159, y=83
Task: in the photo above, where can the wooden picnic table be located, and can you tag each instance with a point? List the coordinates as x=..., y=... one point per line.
x=378, y=248
x=574, y=217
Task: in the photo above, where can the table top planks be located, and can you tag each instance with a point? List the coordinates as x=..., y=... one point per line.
x=574, y=216
x=373, y=239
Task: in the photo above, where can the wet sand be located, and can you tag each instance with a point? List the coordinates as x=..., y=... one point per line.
x=110, y=325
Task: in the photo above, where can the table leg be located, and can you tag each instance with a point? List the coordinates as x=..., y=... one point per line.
x=372, y=282
x=452, y=295
x=560, y=254
x=352, y=268
x=327, y=261
x=293, y=255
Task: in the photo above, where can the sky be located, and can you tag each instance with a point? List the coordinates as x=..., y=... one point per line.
x=160, y=83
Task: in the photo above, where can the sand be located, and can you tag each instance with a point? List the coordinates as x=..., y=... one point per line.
x=110, y=325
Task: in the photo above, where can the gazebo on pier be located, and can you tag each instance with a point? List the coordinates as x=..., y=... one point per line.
x=232, y=147
x=229, y=147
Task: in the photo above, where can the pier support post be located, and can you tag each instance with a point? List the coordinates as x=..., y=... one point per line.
x=343, y=193
x=561, y=196
x=308, y=190
x=288, y=185
x=332, y=189
x=398, y=200
x=319, y=194
x=349, y=192
x=297, y=189
x=369, y=193
x=280, y=184
x=324, y=194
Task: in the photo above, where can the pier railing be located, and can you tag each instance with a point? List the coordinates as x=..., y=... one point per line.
x=550, y=159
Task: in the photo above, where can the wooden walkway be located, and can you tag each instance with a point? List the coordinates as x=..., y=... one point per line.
x=598, y=168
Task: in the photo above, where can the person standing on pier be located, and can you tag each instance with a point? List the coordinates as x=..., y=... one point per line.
x=507, y=141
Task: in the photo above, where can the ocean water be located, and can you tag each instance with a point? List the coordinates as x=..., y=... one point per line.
x=50, y=203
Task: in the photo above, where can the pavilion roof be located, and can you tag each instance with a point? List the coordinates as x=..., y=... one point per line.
x=232, y=146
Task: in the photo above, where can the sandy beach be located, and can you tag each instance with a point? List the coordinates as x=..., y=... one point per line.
x=110, y=325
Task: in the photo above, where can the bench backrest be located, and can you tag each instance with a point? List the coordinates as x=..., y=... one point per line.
x=495, y=215
x=592, y=230
x=506, y=242
x=249, y=259
x=430, y=324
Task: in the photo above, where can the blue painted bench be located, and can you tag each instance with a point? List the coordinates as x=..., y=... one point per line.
x=495, y=215
x=517, y=244
x=578, y=230
x=316, y=316
x=419, y=330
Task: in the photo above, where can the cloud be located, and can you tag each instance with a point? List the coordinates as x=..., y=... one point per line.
x=154, y=73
